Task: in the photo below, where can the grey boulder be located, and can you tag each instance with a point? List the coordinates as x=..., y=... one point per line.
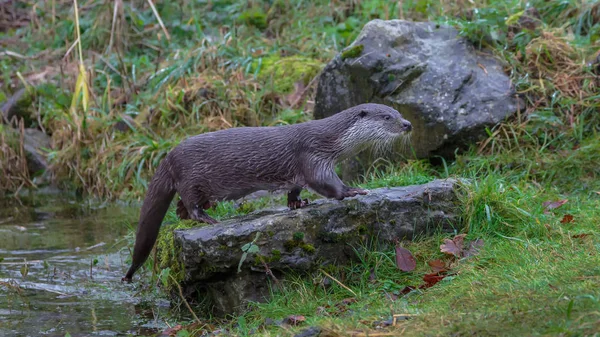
x=447, y=89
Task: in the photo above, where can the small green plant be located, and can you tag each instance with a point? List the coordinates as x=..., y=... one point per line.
x=249, y=248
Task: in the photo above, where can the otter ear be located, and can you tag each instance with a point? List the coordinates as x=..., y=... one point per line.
x=362, y=113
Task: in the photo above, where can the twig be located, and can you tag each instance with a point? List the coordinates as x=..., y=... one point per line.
x=78, y=33
x=184, y=300
x=338, y=282
x=112, y=28
x=14, y=54
x=159, y=20
x=303, y=92
x=14, y=287
x=270, y=273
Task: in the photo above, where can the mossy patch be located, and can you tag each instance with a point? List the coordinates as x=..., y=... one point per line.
x=255, y=17
x=352, y=52
x=167, y=252
x=298, y=242
x=274, y=257
x=298, y=236
x=285, y=71
x=307, y=248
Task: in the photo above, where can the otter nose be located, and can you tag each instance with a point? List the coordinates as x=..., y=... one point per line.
x=407, y=126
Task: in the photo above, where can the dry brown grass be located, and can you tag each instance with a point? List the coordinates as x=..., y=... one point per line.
x=559, y=79
x=552, y=58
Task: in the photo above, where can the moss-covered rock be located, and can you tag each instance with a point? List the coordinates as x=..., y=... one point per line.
x=285, y=71
x=167, y=253
x=352, y=52
x=323, y=233
x=19, y=105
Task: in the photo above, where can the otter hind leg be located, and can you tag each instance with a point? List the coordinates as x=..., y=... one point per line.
x=293, y=199
x=182, y=212
x=192, y=206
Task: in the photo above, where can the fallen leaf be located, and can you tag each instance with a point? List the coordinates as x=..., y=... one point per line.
x=548, y=205
x=580, y=236
x=482, y=67
x=172, y=331
x=473, y=248
x=349, y=300
x=343, y=305
x=407, y=289
x=404, y=259
x=454, y=246
x=294, y=319
x=437, y=265
x=294, y=98
x=391, y=296
x=567, y=218
x=431, y=279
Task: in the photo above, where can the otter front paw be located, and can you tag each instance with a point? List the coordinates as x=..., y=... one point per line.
x=352, y=192
x=298, y=203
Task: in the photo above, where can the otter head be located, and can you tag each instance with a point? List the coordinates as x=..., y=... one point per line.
x=382, y=118
x=373, y=125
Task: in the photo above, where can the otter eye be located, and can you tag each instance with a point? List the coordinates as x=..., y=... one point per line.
x=363, y=113
x=387, y=117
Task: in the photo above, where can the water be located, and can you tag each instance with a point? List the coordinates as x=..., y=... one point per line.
x=59, y=240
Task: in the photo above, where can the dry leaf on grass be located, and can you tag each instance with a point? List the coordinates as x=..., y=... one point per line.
x=437, y=265
x=458, y=248
x=294, y=319
x=431, y=279
x=580, y=236
x=454, y=246
x=473, y=248
x=567, y=218
x=549, y=205
x=404, y=259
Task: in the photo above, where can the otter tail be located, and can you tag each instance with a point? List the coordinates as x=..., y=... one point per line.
x=158, y=198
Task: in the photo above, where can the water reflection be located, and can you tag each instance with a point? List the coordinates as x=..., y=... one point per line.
x=73, y=255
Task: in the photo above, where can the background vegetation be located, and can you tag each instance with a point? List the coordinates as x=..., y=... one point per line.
x=142, y=75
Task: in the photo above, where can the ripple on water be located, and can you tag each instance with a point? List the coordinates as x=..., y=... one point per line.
x=58, y=240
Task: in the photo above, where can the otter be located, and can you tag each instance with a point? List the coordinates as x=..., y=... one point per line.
x=232, y=163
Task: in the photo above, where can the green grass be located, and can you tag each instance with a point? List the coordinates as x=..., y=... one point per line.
x=533, y=276
x=237, y=63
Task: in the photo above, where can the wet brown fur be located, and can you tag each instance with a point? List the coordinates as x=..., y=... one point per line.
x=232, y=163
